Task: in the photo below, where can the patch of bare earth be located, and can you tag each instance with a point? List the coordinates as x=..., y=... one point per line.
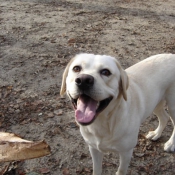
x=38, y=38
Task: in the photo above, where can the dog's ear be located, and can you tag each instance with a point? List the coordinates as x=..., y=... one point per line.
x=65, y=73
x=124, y=81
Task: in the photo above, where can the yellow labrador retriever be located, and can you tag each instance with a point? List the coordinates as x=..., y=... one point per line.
x=111, y=103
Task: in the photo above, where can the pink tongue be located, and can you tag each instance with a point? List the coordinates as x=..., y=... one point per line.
x=86, y=109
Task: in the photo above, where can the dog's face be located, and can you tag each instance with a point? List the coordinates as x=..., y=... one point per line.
x=91, y=82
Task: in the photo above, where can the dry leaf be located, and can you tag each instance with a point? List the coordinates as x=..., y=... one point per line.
x=13, y=148
x=71, y=41
x=58, y=112
x=44, y=170
x=66, y=171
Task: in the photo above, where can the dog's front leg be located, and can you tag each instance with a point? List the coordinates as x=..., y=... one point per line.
x=125, y=158
x=97, y=158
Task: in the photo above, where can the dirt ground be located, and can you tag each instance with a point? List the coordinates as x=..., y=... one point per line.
x=38, y=38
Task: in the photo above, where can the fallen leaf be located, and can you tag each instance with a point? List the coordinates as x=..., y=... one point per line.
x=58, y=112
x=50, y=115
x=10, y=87
x=66, y=171
x=87, y=170
x=20, y=172
x=44, y=170
x=71, y=41
x=139, y=154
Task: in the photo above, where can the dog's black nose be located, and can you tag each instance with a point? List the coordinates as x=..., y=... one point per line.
x=84, y=81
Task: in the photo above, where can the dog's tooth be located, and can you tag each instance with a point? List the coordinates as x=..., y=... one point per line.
x=78, y=100
x=98, y=104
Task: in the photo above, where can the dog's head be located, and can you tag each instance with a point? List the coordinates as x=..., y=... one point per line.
x=91, y=82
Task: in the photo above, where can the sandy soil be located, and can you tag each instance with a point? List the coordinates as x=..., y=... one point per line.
x=38, y=38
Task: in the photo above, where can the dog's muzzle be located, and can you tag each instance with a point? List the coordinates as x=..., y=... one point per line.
x=86, y=107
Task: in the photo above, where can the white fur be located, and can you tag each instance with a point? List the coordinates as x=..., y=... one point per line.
x=151, y=83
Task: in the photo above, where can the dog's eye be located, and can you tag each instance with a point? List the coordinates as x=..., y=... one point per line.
x=105, y=72
x=77, y=69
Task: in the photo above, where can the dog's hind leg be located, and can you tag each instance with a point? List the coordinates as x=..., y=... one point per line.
x=163, y=118
x=170, y=144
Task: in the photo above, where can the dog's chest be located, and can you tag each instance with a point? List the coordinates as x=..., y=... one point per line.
x=100, y=140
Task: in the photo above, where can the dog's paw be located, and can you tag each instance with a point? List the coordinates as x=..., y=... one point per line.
x=169, y=146
x=153, y=135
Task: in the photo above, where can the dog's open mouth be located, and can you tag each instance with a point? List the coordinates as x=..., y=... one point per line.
x=86, y=108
